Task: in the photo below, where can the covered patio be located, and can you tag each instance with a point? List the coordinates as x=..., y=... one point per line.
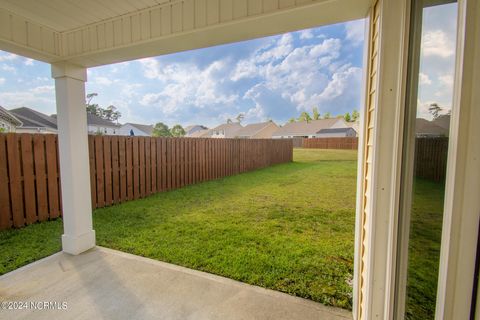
x=107, y=284
x=101, y=283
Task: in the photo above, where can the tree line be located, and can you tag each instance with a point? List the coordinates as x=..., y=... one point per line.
x=305, y=116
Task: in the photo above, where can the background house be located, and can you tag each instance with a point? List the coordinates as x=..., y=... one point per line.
x=97, y=125
x=263, y=130
x=200, y=133
x=34, y=121
x=142, y=130
x=336, y=133
x=189, y=130
x=425, y=128
x=8, y=122
x=304, y=129
x=227, y=130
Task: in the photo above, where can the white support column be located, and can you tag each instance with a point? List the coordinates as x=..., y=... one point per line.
x=78, y=235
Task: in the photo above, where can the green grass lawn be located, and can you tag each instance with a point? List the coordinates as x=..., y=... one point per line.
x=289, y=227
x=424, y=249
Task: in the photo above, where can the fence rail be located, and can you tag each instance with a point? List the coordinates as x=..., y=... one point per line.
x=331, y=143
x=121, y=169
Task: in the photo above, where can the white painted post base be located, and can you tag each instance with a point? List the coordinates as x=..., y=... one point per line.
x=78, y=244
x=74, y=161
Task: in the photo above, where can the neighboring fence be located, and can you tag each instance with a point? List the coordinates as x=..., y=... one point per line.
x=431, y=158
x=121, y=169
x=298, y=142
x=331, y=143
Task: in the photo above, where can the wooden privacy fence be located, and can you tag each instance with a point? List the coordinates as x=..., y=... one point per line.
x=121, y=169
x=431, y=158
x=331, y=143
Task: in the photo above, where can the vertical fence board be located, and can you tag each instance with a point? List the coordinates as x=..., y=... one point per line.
x=141, y=157
x=99, y=171
x=15, y=179
x=148, y=169
x=153, y=164
x=136, y=169
x=115, y=170
x=40, y=176
x=93, y=172
x=107, y=160
x=52, y=175
x=28, y=178
x=129, y=159
x=122, y=167
x=5, y=210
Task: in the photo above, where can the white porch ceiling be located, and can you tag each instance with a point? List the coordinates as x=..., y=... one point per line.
x=65, y=15
x=97, y=32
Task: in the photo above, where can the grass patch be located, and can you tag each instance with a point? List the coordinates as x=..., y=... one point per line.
x=288, y=227
x=424, y=249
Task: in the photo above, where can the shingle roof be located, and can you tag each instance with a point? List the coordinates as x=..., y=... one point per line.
x=4, y=114
x=94, y=120
x=231, y=129
x=250, y=129
x=147, y=128
x=200, y=133
x=423, y=126
x=34, y=119
x=305, y=128
x=335, y=130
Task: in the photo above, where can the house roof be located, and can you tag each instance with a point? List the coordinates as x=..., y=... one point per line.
x=304, y=128
x=7, y=116
x=200, y=133
x=231, y=129
x=251, y=129
x=336, y=130
x=188, y=128
x=34, y=119
x=94, y=120
x=425, y=127
x=443, y=121
x=147, y=128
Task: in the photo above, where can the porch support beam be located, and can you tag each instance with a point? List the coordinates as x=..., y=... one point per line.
x=78, y=235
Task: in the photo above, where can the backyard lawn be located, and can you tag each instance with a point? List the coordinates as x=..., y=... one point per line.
x=289, y=227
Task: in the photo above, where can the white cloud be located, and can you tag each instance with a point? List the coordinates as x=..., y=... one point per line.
x=103, y=81
x=184, y=84
x=424, y=79
x=8, y=68
x=2, y=81
x=447, y=80
x=437, y=43
x=8, y=57
x=306, y=34
x=28, y=62
x=355, y=31
x=43, y=89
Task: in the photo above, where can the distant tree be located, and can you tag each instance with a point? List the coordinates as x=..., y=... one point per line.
x=177, y=131
x=2, y=130
x=240, y=117
x=355, y=115
x=161, y=130
x=92, y=108
x=110, y=113
x=327, y=115
x=291, y=120
x=229, y=120
x=305, y=116
x=435, y=110
x=315, y=113
x=347, y=117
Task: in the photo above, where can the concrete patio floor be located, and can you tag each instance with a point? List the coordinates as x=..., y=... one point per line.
x=108, y=284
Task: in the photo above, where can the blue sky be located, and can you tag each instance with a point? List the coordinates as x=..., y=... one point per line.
x=269, y=78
